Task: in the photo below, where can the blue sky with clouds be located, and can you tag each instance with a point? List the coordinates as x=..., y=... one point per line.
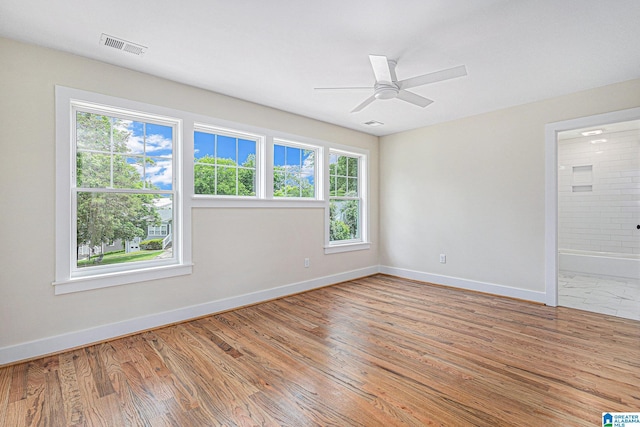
x=238, y=150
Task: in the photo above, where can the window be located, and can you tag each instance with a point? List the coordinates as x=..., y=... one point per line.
x=225, y=163
x=157, y=230
x=294, y=170
x=123, y=173
x=347, y=203
x=344, y=198
x=117, y=180
x=120, y=204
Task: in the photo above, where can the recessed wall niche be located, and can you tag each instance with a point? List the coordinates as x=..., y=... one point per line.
x=582, y=179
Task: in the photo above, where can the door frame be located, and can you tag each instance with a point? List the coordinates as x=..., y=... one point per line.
x=551, y=131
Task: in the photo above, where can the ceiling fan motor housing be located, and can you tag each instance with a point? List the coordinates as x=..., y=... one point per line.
x=384, y=90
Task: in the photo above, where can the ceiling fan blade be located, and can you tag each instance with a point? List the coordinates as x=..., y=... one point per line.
x=438, y=76
x=380, y=66
x=414, y=99
x=364, y=103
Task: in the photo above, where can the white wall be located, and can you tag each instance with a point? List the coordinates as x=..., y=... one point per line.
x=603, y=219
x=474, y=190
x=240, y=255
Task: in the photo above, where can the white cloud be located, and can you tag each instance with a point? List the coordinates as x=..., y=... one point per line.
x=136, y=141
x=158, y=143
x=160, y=173
x=135, y=144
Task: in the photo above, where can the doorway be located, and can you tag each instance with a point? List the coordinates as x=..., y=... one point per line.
x=593, y=213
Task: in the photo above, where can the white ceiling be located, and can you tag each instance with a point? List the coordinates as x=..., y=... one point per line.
x=275, y=52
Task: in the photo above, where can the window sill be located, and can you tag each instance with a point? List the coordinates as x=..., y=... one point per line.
x=210, y=202
x=79, y=284
x=346, y=247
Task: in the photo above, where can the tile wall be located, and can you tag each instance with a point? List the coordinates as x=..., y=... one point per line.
x=599, y=193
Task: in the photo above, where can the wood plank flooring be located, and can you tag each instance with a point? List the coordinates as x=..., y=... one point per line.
x=378, y=351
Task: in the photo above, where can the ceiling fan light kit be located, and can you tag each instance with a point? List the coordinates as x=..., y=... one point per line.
x=387, y=85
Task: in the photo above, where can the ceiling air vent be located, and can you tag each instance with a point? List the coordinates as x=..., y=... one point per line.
x=116, y=43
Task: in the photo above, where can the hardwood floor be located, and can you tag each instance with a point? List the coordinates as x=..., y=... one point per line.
x=379, y=351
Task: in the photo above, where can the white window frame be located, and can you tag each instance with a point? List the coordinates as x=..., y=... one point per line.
x=317, y=167
x=362, y=243
x=156, y=230
x=264, y=194
x=260, y=148
x=67, y=277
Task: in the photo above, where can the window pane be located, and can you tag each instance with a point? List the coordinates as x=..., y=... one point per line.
x=235, y=174
x=131, y=134
x=332, y=186
x=279, y=189
x=124, y=136
x=352, y=164
x=341, y=166
x=158, y=173
x=127, y=172
x=293, y=184
x=225, y=180
x=308, y=166
x=352, y=187
x=246, y=182
x=278, y=155
x=226, y=147
x=333, y=160
x=93, y=131
x=293, y=171
x=158, y=140
x=93, y=170
x=204, y=177
x=344, y=220
x=247, y=153
x=112, y=228
x=203, y=144
x=341, y=186
x=292, y=156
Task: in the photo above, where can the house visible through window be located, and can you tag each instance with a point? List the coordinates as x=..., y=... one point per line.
x=123, y=189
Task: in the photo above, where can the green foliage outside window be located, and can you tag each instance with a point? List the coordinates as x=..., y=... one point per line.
x=104, y=161
x=344, y=203
x=225, y=177
x=289, y=182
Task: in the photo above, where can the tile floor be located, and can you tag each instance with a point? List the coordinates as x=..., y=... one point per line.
x=601, y=294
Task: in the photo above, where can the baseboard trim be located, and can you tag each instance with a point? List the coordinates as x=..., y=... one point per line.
x=64, y=342
x=471, y=285
x=59, y=343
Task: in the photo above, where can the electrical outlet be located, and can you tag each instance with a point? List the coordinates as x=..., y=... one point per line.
x=306, y=263
x=443, y=258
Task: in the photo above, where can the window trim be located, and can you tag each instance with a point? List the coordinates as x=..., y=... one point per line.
x=362, y=243
x=66, y=279
x=120, y=113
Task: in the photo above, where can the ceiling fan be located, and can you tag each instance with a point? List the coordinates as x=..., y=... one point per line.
x=387, y=85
